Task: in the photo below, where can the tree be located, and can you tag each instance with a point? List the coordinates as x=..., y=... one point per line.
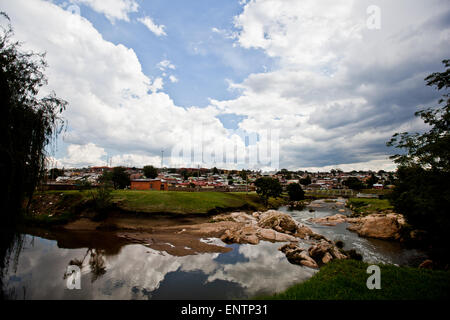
x=120, y=178
x=306, y=181
x=295, y=192
x=267, y=187
x=215, y=171
x=422, y=187
x=150, y=172
x=55, y=173
x=354, y=183
x=29, y=122
x=372, y=180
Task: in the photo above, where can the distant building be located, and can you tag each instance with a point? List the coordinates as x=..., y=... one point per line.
x=149, y=184
x=378, y=186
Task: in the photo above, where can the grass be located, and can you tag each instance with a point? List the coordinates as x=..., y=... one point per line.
x=182, y=202
x=187, y=202
x=362, y=206
x=346, y=280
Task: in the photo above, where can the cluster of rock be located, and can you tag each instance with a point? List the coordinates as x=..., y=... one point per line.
x=269, y=226
x=317, y=255
x=280, y=227
x=380, y=226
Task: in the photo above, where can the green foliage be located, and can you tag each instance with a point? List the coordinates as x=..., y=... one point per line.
x=306, y=181
x=267, y=187
x=295, y=192
x=28, y=122
x=102, y=200
x=354, y=183
x=346, y=280
x=423, y=196
x=429, y=150
x=120, y=179
x=422, y=187
x=150, y=172
x=372, y=180
x=55, y=173
x=368, y=206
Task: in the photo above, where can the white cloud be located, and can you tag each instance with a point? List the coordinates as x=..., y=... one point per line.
x=166, y=64
x=340, y=90
x=112, y=9
x=158, y=30
x=337, y=92
x=112, y=104
x=173, y=79
x=83, y=156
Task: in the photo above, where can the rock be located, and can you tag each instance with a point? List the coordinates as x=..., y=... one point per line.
x=243, y=217
x=352, y=254
x=244, y=235
x=330, y=221
x=300, y=257
x=327, y=258
x=304, y=232
x=307, y=261
x=272, y=235
x=427, y=264
x=288, y=247
x=339, y=244
x=278, y=221
x=337, y=254
x=378, y=226
x=319, y=250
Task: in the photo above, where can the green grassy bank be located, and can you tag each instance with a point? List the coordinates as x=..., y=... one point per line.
x=60, y=207
x=362, y=206
x=346, y=280
x=189, y=202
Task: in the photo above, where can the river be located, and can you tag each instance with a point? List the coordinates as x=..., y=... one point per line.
x=114, y=269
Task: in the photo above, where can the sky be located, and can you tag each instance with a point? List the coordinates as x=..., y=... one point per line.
x=254, y=84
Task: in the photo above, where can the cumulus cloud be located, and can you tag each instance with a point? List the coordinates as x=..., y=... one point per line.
x=158, y=30
x=112, y=9
x=83, y=156
x=340, y=90
x=173, y=79
x=336, y=93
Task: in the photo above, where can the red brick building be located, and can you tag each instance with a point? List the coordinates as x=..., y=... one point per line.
x=149, y=184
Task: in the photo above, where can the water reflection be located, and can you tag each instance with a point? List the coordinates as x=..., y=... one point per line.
x=138, y=272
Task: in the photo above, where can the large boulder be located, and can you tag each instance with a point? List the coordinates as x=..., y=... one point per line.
x=275, y=236
x=325, y=251
x=247, y=234
x=378, y=226
x=299, y=256
x=278, y=221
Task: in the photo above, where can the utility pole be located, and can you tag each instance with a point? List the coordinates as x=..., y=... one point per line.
x=162, y=159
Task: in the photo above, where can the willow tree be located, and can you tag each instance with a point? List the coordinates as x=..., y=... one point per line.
x=29, y=122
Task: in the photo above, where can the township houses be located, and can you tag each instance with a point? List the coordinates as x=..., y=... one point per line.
x=149, y=184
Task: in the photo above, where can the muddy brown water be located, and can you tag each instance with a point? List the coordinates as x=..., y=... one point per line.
x=113, y=267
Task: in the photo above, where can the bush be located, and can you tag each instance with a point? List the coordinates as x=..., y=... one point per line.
x=295, y=192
